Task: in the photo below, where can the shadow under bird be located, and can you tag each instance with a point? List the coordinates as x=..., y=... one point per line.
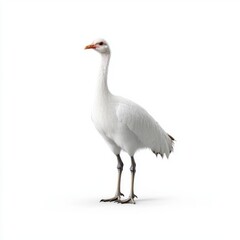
x=124, y=125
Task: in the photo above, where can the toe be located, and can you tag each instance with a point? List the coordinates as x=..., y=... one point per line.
x=128, y=200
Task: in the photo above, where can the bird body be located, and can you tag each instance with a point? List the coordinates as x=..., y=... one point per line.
x=127, y=126
x=122, y=123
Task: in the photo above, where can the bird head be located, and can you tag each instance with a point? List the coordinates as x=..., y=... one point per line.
x=100, y=45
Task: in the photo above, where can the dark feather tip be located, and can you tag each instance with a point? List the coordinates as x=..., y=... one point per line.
x=171, y=137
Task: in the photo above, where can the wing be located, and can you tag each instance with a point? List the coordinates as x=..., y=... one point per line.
x=143, y=125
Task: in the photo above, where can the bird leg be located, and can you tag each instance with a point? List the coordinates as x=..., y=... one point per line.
x=118, y=192
x=131, y=197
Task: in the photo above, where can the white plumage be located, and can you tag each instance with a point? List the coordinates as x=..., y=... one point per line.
x=146, y=129
x=123, y=124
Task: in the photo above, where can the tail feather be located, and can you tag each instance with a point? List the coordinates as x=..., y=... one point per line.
x=170, y=143
x=171, y=137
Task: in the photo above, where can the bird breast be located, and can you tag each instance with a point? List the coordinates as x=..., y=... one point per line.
x=104, y=116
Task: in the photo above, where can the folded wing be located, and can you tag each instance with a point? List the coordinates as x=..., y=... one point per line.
x=143, y=125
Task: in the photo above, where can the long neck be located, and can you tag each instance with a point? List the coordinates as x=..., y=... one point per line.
x=102, y=87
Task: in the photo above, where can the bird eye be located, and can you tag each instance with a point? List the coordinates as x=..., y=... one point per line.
x=101, y=43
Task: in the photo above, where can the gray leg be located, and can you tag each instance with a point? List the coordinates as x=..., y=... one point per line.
x=118, y=192
x=131, y=197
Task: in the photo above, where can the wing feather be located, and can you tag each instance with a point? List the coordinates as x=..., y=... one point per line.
x=143, y=125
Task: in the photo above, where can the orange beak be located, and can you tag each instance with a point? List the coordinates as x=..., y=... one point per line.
x=91, y=46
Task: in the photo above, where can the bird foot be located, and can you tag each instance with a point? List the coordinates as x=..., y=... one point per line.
x=115, y=198
x=130, y=199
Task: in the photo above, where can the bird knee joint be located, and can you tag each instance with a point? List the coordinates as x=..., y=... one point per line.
x=120, y=166
x=133, y=168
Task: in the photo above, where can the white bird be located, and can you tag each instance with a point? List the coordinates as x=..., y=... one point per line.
x=123, y=124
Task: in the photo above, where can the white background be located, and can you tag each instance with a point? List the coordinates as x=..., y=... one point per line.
x=179, y=60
